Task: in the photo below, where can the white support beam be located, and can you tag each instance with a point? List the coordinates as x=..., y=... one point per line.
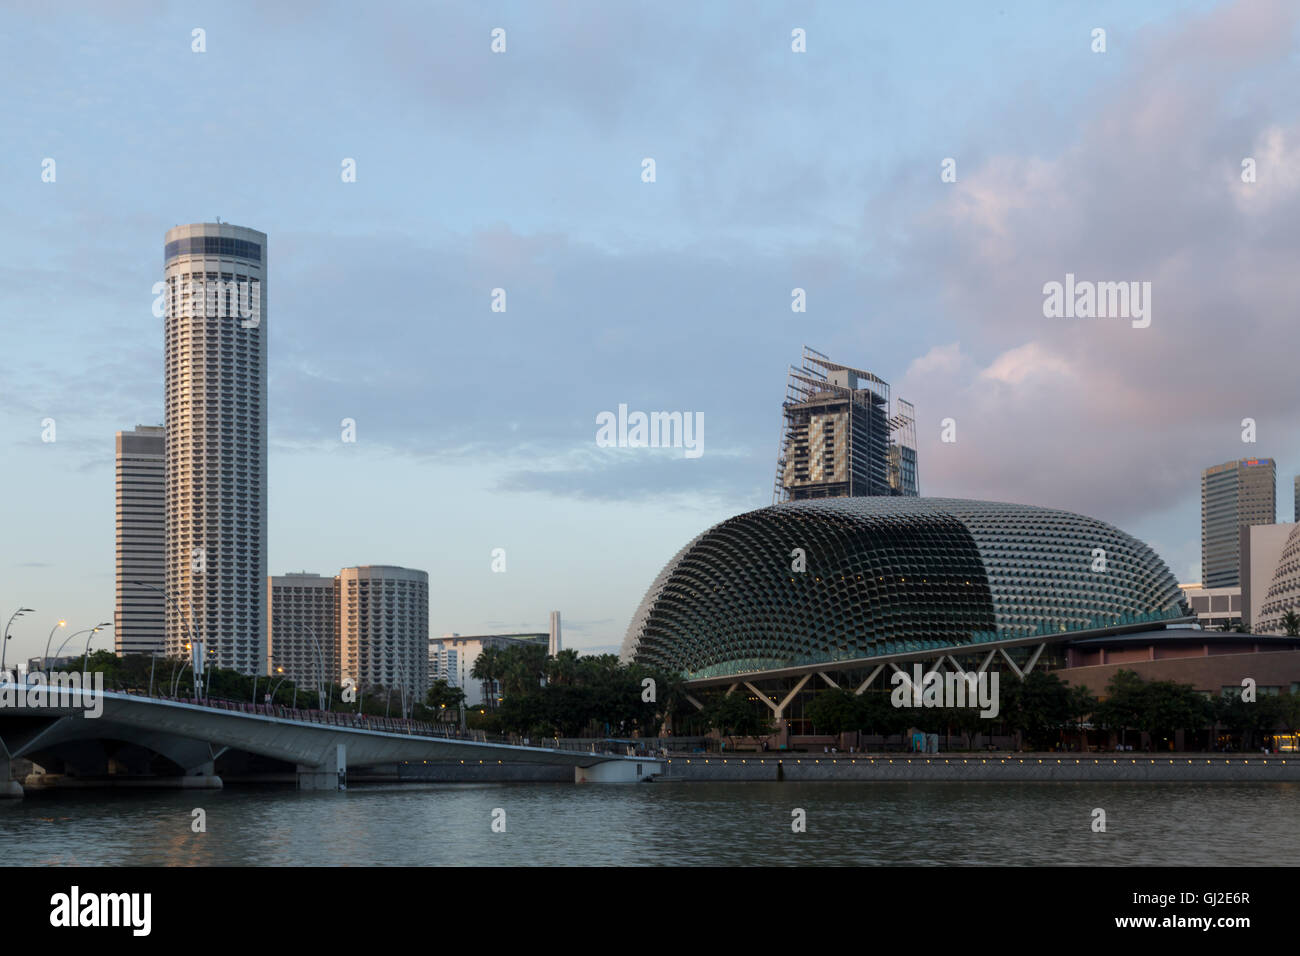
x=911, y=688
x=1034, y=657
x=698, y=705
x=1011, y=663
x=764, y=698
x=986, y=662
x=790, y=696
x=730, y=689
x=870, y=677
x=955, y=666
x=823, y=675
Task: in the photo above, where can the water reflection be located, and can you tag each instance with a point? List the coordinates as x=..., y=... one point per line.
x=931, y=823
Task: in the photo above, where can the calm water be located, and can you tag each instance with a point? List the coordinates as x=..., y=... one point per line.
x=665, y=823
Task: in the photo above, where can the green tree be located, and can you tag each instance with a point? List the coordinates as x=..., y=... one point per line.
x=487, y=668
x=734, y=715
x=1291, y=623
x=1123, y=708
x=443, y=701
x=835, y=710
x=1039, y=706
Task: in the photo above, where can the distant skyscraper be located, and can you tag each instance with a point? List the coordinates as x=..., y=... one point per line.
x=215, y=304
x=1233, y=495
x=555, y=645
x=383, y=623
x=1295, y=512
x=301, y=622
x=139, y=618
x=838, y=438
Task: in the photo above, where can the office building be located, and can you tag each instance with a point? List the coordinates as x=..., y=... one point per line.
x=1261, y=550
x=444, y=662
x=383, y=627
x=1233, y=495
x=1215, y=608
x=302, y=624
x=839, y=438
x=1283, y=596
x=464, y=651
x=215, y=317
x=139, y=614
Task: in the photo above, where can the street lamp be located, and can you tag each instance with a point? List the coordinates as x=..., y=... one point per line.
x=278, y=670
x=4, y=645
x=176, y=677
x=98, y=627
x=186, y=619
x=49, y=639
x=86, y=654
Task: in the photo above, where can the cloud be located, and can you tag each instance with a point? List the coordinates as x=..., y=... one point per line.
x=1093, y=414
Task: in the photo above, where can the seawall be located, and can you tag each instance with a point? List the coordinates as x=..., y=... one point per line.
x=1018, y=767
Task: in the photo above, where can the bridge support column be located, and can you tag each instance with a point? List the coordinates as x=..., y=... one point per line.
x=618, y=771
x=330, y=775
x=10, y=789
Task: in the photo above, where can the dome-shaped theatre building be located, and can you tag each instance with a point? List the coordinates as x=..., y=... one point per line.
x=851, y=579
x=789, y=599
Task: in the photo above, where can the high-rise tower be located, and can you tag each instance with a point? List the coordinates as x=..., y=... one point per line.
x=1233, y=495
x=215, y=312
x=383, y=628
x=838, y=439
x=140, y=519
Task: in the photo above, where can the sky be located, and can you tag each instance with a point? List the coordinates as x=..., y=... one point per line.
x=522, y=170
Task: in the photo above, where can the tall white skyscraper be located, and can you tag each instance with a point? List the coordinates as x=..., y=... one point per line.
x=302, y=626
x=215, y=312
x=383, y=627
x=554, y=645
x=140, y=517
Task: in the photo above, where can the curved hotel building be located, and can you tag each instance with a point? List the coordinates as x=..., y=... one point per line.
x=215, y=310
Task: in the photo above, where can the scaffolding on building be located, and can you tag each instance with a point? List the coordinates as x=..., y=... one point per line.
x=879, y=455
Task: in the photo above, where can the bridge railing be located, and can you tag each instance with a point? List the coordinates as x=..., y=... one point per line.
x=418, y=728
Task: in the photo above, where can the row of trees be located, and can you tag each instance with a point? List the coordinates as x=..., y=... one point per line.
x=570, y=695
x=1043, y=708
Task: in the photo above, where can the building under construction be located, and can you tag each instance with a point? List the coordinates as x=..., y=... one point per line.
x=839, y=439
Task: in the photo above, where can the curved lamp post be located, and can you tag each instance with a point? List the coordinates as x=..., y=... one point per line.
x=277, y=684
x=4, y=645
x=186, y=618
x=86, y=654
x=49, y=639
x=176, y=677
x=320, y=674
x=98, y=627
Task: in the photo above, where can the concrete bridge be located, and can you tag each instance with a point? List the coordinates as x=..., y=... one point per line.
x=132, y=731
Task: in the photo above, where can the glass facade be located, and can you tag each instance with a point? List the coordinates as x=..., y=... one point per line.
x=213, y=246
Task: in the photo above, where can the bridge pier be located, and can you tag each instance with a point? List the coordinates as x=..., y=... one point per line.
x=332, y=774
x=10, y=789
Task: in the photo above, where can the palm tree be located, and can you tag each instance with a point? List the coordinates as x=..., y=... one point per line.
x=1291, y=623
x=487, y=668
x=563, y=667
